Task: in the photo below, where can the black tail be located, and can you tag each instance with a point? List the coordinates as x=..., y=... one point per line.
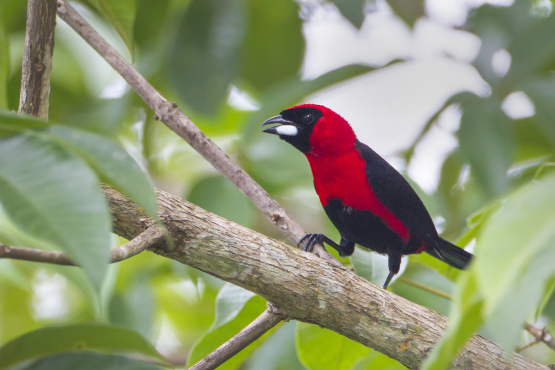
x=451, y=254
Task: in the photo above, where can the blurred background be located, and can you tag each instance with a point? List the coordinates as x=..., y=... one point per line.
x=455, y=94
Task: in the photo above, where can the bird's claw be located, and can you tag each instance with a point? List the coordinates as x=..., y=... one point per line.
x=311, y=239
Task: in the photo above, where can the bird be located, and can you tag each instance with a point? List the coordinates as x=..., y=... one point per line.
x=369, y=202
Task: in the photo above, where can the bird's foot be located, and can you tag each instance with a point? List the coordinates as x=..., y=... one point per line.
x=311, y=239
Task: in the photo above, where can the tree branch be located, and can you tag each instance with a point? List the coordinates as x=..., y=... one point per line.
x=541, y=335
x=267, y=320
x=304, y=286
x=186, y=129
x=148, y=238
x=37, y=58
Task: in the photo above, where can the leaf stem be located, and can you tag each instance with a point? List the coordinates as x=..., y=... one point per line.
x=426, y=288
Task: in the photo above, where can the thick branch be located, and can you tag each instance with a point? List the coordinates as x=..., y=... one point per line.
x=267, y=320
x=37, y=58
x=186, y=129
x=150, y=237
x=304, y=286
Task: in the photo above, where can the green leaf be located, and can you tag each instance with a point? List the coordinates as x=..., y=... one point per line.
x=213, y=339
x=486, y=140
x=477, y=220
x=152, y=18
x=376, y=360
x=524, y=36
x=533, y=49
x=12, y=274
x=121, y=15
x=87, y=361
x=520, y=239
x=505, y=322
x=353, y=10
x=204, y=56
x=230, y=301
x=226, y=123
x=334, y=351
x=439, y=266
x=4, y=67
x=134, y=307
x=492, y=28
x=542, y=93
x=509, y=242
x=74, y=338
x=465, y=320
x=426, y=287
x=373, y=266
x=218, y=195
x=53, y=196
x=278, y=352
x=12, y=124
x=274, y=42
x=12, y=16
x=408, y=10
x=550, y=288
x=78, y=278
x=89, y=295
x=14, y=303
x=190, y=311
x=113, y=165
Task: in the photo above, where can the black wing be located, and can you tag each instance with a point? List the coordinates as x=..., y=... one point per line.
x=398, y=196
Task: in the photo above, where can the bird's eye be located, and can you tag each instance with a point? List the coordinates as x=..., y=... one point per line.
x=308, y=118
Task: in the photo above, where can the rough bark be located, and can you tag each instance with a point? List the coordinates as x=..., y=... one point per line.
x=304, y=286
x=37, y=58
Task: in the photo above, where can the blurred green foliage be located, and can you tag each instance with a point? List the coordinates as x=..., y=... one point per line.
x=87, y=360
x=80, y=337
x=120, y=14
x=495, y=189
x=334, y=350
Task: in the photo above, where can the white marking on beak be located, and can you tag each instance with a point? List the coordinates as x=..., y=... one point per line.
x=287, y=130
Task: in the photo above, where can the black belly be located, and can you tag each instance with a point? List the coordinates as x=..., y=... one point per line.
x=366, y=229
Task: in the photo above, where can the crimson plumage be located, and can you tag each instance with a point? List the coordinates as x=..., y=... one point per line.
x=367, y=200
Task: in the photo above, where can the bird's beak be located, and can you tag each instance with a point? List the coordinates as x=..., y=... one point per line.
x=285, y=127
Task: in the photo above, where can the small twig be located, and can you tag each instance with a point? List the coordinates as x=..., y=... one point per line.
x=426, y=288
x=267, y=320
x=150, y=237
x=520, y=349
x=541, y=335
x=178, y=122
x=37, y=58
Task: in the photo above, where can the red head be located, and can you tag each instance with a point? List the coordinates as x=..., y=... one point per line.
x=313, y=129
